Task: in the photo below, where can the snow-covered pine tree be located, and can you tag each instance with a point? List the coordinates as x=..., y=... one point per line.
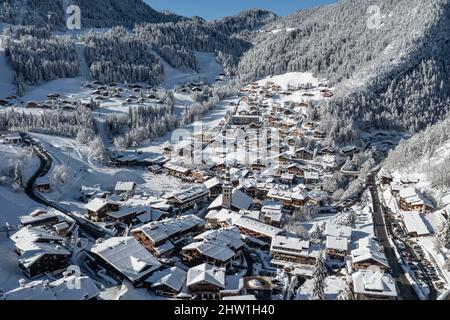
x=346, y=294
x=319, y=276
x=444, y=235
x=18, y=176
x=316, y=235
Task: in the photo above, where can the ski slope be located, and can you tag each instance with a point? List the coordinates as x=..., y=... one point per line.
x=209, y=70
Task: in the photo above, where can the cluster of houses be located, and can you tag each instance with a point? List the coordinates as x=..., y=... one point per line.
x=195, y=243
x=69, y=287
x=410, y=203
x=365, y=264
x=132, y=94
x=42, y=243
x=11, y=138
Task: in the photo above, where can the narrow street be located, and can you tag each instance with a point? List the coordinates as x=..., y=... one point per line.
x=406, y=290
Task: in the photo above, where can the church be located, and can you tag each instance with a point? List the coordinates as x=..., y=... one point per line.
x=231, y=198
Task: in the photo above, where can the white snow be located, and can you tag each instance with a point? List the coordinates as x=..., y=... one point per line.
x=9, y=270
x=209, y=70
x=292, y=78
x=15, y=204
x=84, y=171
x=333, y=286
x=286, y=30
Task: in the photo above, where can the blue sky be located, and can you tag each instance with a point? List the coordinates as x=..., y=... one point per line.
x=212, y=9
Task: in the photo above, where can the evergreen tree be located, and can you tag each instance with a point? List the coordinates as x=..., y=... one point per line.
x=444, y=235
x=316, y=235
x=346, y=294
x=18, y=176
x=319, y=276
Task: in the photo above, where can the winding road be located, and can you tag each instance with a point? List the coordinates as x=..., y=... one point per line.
x=87, y=228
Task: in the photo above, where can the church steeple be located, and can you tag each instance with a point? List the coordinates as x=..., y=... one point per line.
x=227, y=192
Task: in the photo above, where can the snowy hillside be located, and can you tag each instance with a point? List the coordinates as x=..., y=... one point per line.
x=388, y=76
x=427, y=155
x=13, y=202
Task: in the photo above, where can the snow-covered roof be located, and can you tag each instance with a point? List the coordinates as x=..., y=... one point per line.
x=96, y=204
x=173, y=278
x=367, y=250
x=165, y=229
x=304, y=150
x=33, y=243
x=274, y=211
x=28, y=235
x=413, y=197
x=212, y=182
x=125, y=186
x=206, y=273
x=125, y=211
x=385, y=174
x=67, y=288
x=244, y=297
x=32, y=219
x=130, y=157
x=239, y=200
x=373, y=282
x=229, y=236
x=223, y=215
x=312, y=175
x=253, y=214
x=190, y=193
x=176, y=167
x=258, y=227
x=233, y=284
x=336, y=230
x=12, y=136
x=213, y=249
x=74, y=288
x=337, y=243
x=217, y=244
x=36, y=290
x=163, y=248
x=127, y=256
x=275, y=193
x=292, y=246
x=287, y=176
x=414, y=223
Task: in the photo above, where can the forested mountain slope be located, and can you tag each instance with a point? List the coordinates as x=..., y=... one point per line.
x=394, y=76
x=119, y=54
x=390, y=71
x=244, y=22
x=425, y=152
x=94, y=13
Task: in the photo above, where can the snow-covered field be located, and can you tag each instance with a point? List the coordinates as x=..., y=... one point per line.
x=291, y=78
x=209, y=120
x=9, y=272
x=84, y=171
x=14, y=204
x=209, y=70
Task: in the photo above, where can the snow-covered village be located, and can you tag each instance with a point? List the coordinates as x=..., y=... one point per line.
x=139, y=161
